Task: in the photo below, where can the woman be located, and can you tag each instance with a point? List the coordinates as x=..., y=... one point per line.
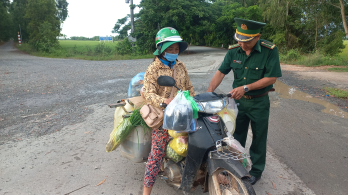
x=169, y=44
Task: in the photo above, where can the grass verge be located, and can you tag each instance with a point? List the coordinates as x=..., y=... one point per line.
x=338, y=69
x=85, y=50
x=339, y=93
x=340, y=61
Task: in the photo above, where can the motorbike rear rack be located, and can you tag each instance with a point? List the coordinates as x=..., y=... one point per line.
x=225, y=152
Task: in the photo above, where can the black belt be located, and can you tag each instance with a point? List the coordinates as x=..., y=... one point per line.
x=249, y=97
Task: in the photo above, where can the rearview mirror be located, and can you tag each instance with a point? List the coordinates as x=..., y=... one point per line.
x=166, y=81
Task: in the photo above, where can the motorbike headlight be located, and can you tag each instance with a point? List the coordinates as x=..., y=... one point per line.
x=211, y=107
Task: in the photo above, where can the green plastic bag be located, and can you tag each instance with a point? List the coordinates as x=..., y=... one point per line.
x=192, y=102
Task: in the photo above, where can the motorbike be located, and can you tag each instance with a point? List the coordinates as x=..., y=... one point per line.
x=209, y=162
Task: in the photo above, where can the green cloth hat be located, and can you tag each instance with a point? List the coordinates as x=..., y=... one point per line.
x=168, y=36
x=247, y=30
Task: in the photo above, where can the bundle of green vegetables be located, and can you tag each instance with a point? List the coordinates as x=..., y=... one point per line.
x=120, y=133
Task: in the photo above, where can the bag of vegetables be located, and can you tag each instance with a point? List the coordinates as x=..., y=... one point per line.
x=121, y=132
x=171, y=154
x=175, y=134
x=179, y=145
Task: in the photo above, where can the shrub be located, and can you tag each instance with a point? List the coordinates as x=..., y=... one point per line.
x=47, y=41
x=124, y=47
x=102, y=49
x=291, y=55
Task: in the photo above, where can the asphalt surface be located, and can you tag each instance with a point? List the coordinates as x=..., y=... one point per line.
x=54, y=124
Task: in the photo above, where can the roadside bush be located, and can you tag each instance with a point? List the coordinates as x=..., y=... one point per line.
x=291, y=55
x=318, y=59
x=102, y=49
x=124, y=47
x=89, y=50
x=332, y=45
x=46, y=39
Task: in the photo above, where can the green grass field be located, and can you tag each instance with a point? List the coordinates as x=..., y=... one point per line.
x=83, y=45
x=87, y=50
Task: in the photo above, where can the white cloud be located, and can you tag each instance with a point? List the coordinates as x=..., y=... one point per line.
x=90, y=18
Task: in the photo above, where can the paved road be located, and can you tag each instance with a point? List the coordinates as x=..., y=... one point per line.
x=54, y=124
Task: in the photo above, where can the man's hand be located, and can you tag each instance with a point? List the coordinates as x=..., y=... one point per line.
x=215, y=81
x=167, y=101
x=237, y=93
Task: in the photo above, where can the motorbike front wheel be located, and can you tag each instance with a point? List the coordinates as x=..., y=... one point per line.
x=223, y=182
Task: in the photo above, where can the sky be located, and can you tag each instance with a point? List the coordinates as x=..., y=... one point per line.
x=90, y=18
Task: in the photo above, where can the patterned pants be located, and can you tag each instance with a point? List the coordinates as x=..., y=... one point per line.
x=160, y=139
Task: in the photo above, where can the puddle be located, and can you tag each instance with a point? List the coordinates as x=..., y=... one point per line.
x=288, y=92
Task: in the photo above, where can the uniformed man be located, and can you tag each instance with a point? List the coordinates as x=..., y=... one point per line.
x=255, y=64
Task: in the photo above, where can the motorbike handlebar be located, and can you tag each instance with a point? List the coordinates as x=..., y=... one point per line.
x=164, y=105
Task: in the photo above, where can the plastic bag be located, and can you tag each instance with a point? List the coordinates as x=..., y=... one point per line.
x=178, y=114
x=126, y=126
x=193, y=103
x=235, y=146
x=175, y=134
x=171, y=154
x=229, y=115
x=136, y=84
x=179, y=145
x=119, y=112
x=119, y=134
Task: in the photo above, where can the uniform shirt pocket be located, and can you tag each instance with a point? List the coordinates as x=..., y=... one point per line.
x=237, y=70
x=256, y=71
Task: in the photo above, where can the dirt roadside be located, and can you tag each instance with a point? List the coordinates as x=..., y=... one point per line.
x=340, y=79
x=313, y=80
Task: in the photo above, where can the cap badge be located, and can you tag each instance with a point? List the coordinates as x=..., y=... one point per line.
x=173, y=31
x=244, y=27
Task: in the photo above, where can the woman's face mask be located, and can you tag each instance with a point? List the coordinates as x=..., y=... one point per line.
x=172, y=52
x=171, y=57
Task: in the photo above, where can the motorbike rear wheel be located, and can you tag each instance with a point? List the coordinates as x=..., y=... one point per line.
x=223, y=182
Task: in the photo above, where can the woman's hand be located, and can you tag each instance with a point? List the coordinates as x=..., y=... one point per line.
x=168, y=100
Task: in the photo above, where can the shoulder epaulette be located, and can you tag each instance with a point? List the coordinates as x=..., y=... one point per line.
x=267, y=44
x=233, y=46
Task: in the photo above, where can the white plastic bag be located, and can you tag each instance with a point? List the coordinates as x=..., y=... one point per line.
x=178, y=115
x=229, y=115
x=237, y=147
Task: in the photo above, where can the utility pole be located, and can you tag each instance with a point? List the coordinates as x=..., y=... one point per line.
x=130, y=38
x=132, y=16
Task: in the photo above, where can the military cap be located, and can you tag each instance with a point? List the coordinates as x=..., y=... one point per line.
x=247, y=30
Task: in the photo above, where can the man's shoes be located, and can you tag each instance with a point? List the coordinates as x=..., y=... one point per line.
x=253, y=179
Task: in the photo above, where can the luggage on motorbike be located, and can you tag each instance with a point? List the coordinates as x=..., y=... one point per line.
x=178, y=114
x=175, y=134
x=236, y=147
x=171, y=154
x=193, y=103
x=136, y=143
x=136, y=84
x=137, y=146
x=179, y=145
x=229, y=115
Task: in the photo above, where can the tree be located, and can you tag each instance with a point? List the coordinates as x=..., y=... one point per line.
x=42, y=22
x=62, y=7
x=5, y=21
x=343, y=14
x=17, y=11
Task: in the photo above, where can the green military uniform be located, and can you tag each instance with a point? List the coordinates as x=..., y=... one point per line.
x=263, y=61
